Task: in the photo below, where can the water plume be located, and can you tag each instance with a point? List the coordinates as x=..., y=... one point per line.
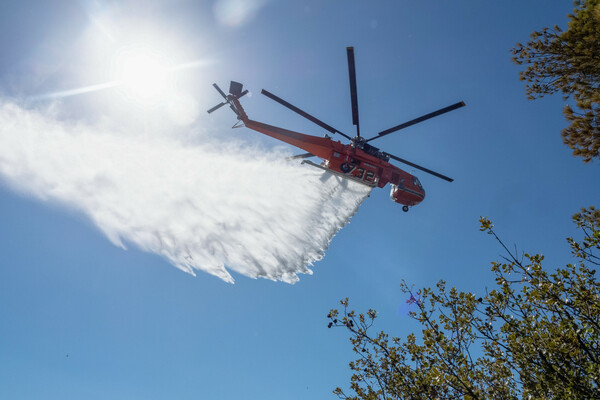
x=198, y=206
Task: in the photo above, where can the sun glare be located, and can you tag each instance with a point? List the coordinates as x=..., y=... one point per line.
x=137, y=69
x=144, y=74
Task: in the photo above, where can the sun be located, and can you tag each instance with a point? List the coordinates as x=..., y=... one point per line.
x=144, y=74
x=136, y=70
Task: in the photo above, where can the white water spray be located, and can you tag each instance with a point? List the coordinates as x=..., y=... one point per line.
x=198, y=206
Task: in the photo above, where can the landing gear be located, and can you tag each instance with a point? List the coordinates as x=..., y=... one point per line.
x=405, y=208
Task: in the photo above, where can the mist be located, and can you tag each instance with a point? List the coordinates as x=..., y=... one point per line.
x=209, y=207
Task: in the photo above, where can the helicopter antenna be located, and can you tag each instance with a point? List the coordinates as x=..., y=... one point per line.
x=353, y=93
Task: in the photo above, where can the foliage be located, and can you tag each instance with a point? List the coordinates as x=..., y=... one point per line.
x=569, y=62
x=536, y=335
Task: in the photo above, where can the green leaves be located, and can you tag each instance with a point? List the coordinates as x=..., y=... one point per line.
x=535, y=335
x=486, y=224
x=568, y=62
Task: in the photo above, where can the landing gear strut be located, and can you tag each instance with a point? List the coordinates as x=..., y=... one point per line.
x=405, y=208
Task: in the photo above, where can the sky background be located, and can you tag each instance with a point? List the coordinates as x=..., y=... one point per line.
x=133, y=326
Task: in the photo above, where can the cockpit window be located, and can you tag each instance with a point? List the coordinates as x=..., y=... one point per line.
x=416, y=182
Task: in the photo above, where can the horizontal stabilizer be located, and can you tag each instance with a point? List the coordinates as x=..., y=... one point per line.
x=235, y=88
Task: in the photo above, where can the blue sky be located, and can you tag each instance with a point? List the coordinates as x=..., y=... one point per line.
x=134, y=327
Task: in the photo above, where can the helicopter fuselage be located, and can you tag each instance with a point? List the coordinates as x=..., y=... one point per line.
x=366, y=165
x=358, y=160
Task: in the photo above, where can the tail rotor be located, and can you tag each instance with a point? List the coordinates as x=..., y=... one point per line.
x=235, y=92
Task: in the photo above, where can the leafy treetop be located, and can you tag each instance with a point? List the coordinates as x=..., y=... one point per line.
x=536, y=335
x=569, y=62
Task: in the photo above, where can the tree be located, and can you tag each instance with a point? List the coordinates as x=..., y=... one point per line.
x=536, y=335
x=569, y=62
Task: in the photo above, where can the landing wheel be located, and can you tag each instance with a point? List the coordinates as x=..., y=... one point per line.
x=405, y=208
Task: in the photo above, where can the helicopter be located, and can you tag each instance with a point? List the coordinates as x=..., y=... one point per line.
x=358, y=160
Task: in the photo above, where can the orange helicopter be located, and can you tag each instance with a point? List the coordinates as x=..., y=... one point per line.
x=358, y=160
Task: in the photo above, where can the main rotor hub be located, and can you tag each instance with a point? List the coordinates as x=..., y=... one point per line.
x=358, y=142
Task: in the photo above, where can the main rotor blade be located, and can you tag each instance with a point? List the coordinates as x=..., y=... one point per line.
x=353, y=94
x=417, y=120
x=419, y=167
x=304, y=114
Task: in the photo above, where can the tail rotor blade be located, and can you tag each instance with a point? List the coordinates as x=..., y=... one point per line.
x=215, y=108
x=417, y=120
x=303, y=113
x=353, y=93
x=419, y=167
x=219, y=90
